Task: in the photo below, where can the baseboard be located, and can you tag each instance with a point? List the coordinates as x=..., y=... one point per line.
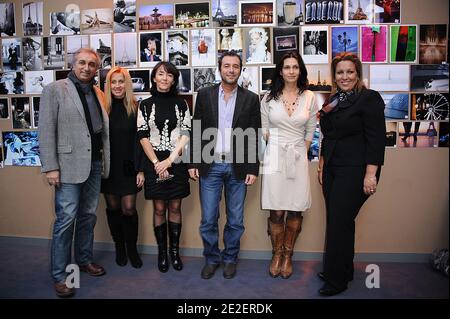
x=244, y=254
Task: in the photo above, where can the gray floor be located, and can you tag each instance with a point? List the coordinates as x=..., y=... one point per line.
x=24, y=273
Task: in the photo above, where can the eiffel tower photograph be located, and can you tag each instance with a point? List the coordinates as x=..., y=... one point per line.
x=32, y=17
x=224, y=13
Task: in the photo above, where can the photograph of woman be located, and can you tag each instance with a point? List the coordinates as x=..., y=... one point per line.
x=352, y=153
x=288, y=116
x=163, y=126
x=258, y=46
x=126, y=178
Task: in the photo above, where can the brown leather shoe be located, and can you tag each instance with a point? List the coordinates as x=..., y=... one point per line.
x=276, y=233
x=93, y=269
x=62, y=290
x=293, y=229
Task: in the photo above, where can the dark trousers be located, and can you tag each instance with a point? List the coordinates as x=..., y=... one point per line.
x=344, y=196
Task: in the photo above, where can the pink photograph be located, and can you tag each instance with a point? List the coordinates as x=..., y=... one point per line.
x=373, y=44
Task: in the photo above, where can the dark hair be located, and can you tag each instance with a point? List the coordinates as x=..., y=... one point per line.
x=347, y=56
x=169, y=68
x=230, y=53
x=277, y=84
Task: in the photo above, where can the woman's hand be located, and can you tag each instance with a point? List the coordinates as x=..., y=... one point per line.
x=162, y=166
x=140, y=179
x=163, y=175
x=370, y=185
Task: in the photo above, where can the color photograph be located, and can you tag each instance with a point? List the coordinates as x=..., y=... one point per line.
x=429, y=78
x=140, y=80
x=158, y=16
x=403, y=43
x=95, y=21
x=373, y=42
x=192, y=15
x=417, y=134
x=319, y=77
x=391, y=134
x=315, y=45
x=432, y=43
x=256, y=13
x=249, y=78
x=265, y=79
x=32, y=18
x=396, y=106
x=429, y=107
x=314, y=149
x=359, y=11
x=389, y=77
x=150, y=48
x=324, y=12
x=387, y=11
x=290, y=12
x=184, y=81
x=443, y=134
x=125, y=50
x=124, y=16
x=21, y=148
x=344, y=39
x=284, y=41
x=230, y=39
x=203, y=47
x=256, y=41
x=224, y=13
x=177, y=47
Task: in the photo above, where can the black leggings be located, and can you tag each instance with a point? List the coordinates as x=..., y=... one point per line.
x=159, y=211
x=126, y=204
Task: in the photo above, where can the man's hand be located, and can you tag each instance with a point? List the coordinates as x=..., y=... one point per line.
x=250, y=179
x=53, y=178
x=193, y=173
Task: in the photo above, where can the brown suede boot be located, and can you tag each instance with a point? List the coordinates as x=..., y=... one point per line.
x=276, y=233
x=293, y=228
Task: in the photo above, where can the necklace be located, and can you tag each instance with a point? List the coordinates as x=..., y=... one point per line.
x=290, y=105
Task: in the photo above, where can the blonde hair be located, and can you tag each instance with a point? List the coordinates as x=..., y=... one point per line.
x=347, y=56
x=129, y=100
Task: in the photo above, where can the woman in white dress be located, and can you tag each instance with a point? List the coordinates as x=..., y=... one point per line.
x=288, y=115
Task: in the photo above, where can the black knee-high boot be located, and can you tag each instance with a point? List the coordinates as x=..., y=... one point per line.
x=161, y=239
x=174, y=245
x=116, y=228
x=131, y=236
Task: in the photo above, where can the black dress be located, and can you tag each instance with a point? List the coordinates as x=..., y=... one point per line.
x=163, y=118
x=123, y=144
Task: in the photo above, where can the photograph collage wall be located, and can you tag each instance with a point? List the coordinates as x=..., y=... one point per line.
x=406, y=63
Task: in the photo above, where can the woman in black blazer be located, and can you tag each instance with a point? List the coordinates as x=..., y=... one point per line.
x=352, y=152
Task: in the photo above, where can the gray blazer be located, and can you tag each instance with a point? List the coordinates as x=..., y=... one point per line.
x=64, y=137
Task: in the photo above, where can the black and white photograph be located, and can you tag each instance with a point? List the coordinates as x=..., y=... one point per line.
x=290, y=12
x=125, y=50
x=12, y=54
x=429, y=78
x=203, y=47
x=20, y=112
x=140, y=80
x=319, y=77
x=359, y=11
x=417, y=134
x=150, y=48
x=141, y=97
x=387, y=11
x=54, y=53
x=443, y=134
x=224, y=13
x=65, y=23
x=155, y=16
x=230, y=39
x=35, y=110
x=32, y=18
x=4, y=108
x=204, y=77
x=391, y=134
x=192, y=15
x=249, y=78
x=124, y=16
x=11, y=83
x=74, y=43
x=21, y=148
x=432, y=43
x=396, y=106
x=389, y=77
x=35, y=81
x=258, y=45
x=432, y=106
x=315, y=44
x=101, y=43
x=284, y=40
x=184, y=81
x=1, y=154
x=265, y=79
x=7, y=21
x=96, y=21
x=324, y=12
x=257, y=13
x=32, y=53
x=177, y=47
x=61, y=74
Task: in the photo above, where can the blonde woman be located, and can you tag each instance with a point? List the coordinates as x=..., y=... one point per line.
x=124, y=181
